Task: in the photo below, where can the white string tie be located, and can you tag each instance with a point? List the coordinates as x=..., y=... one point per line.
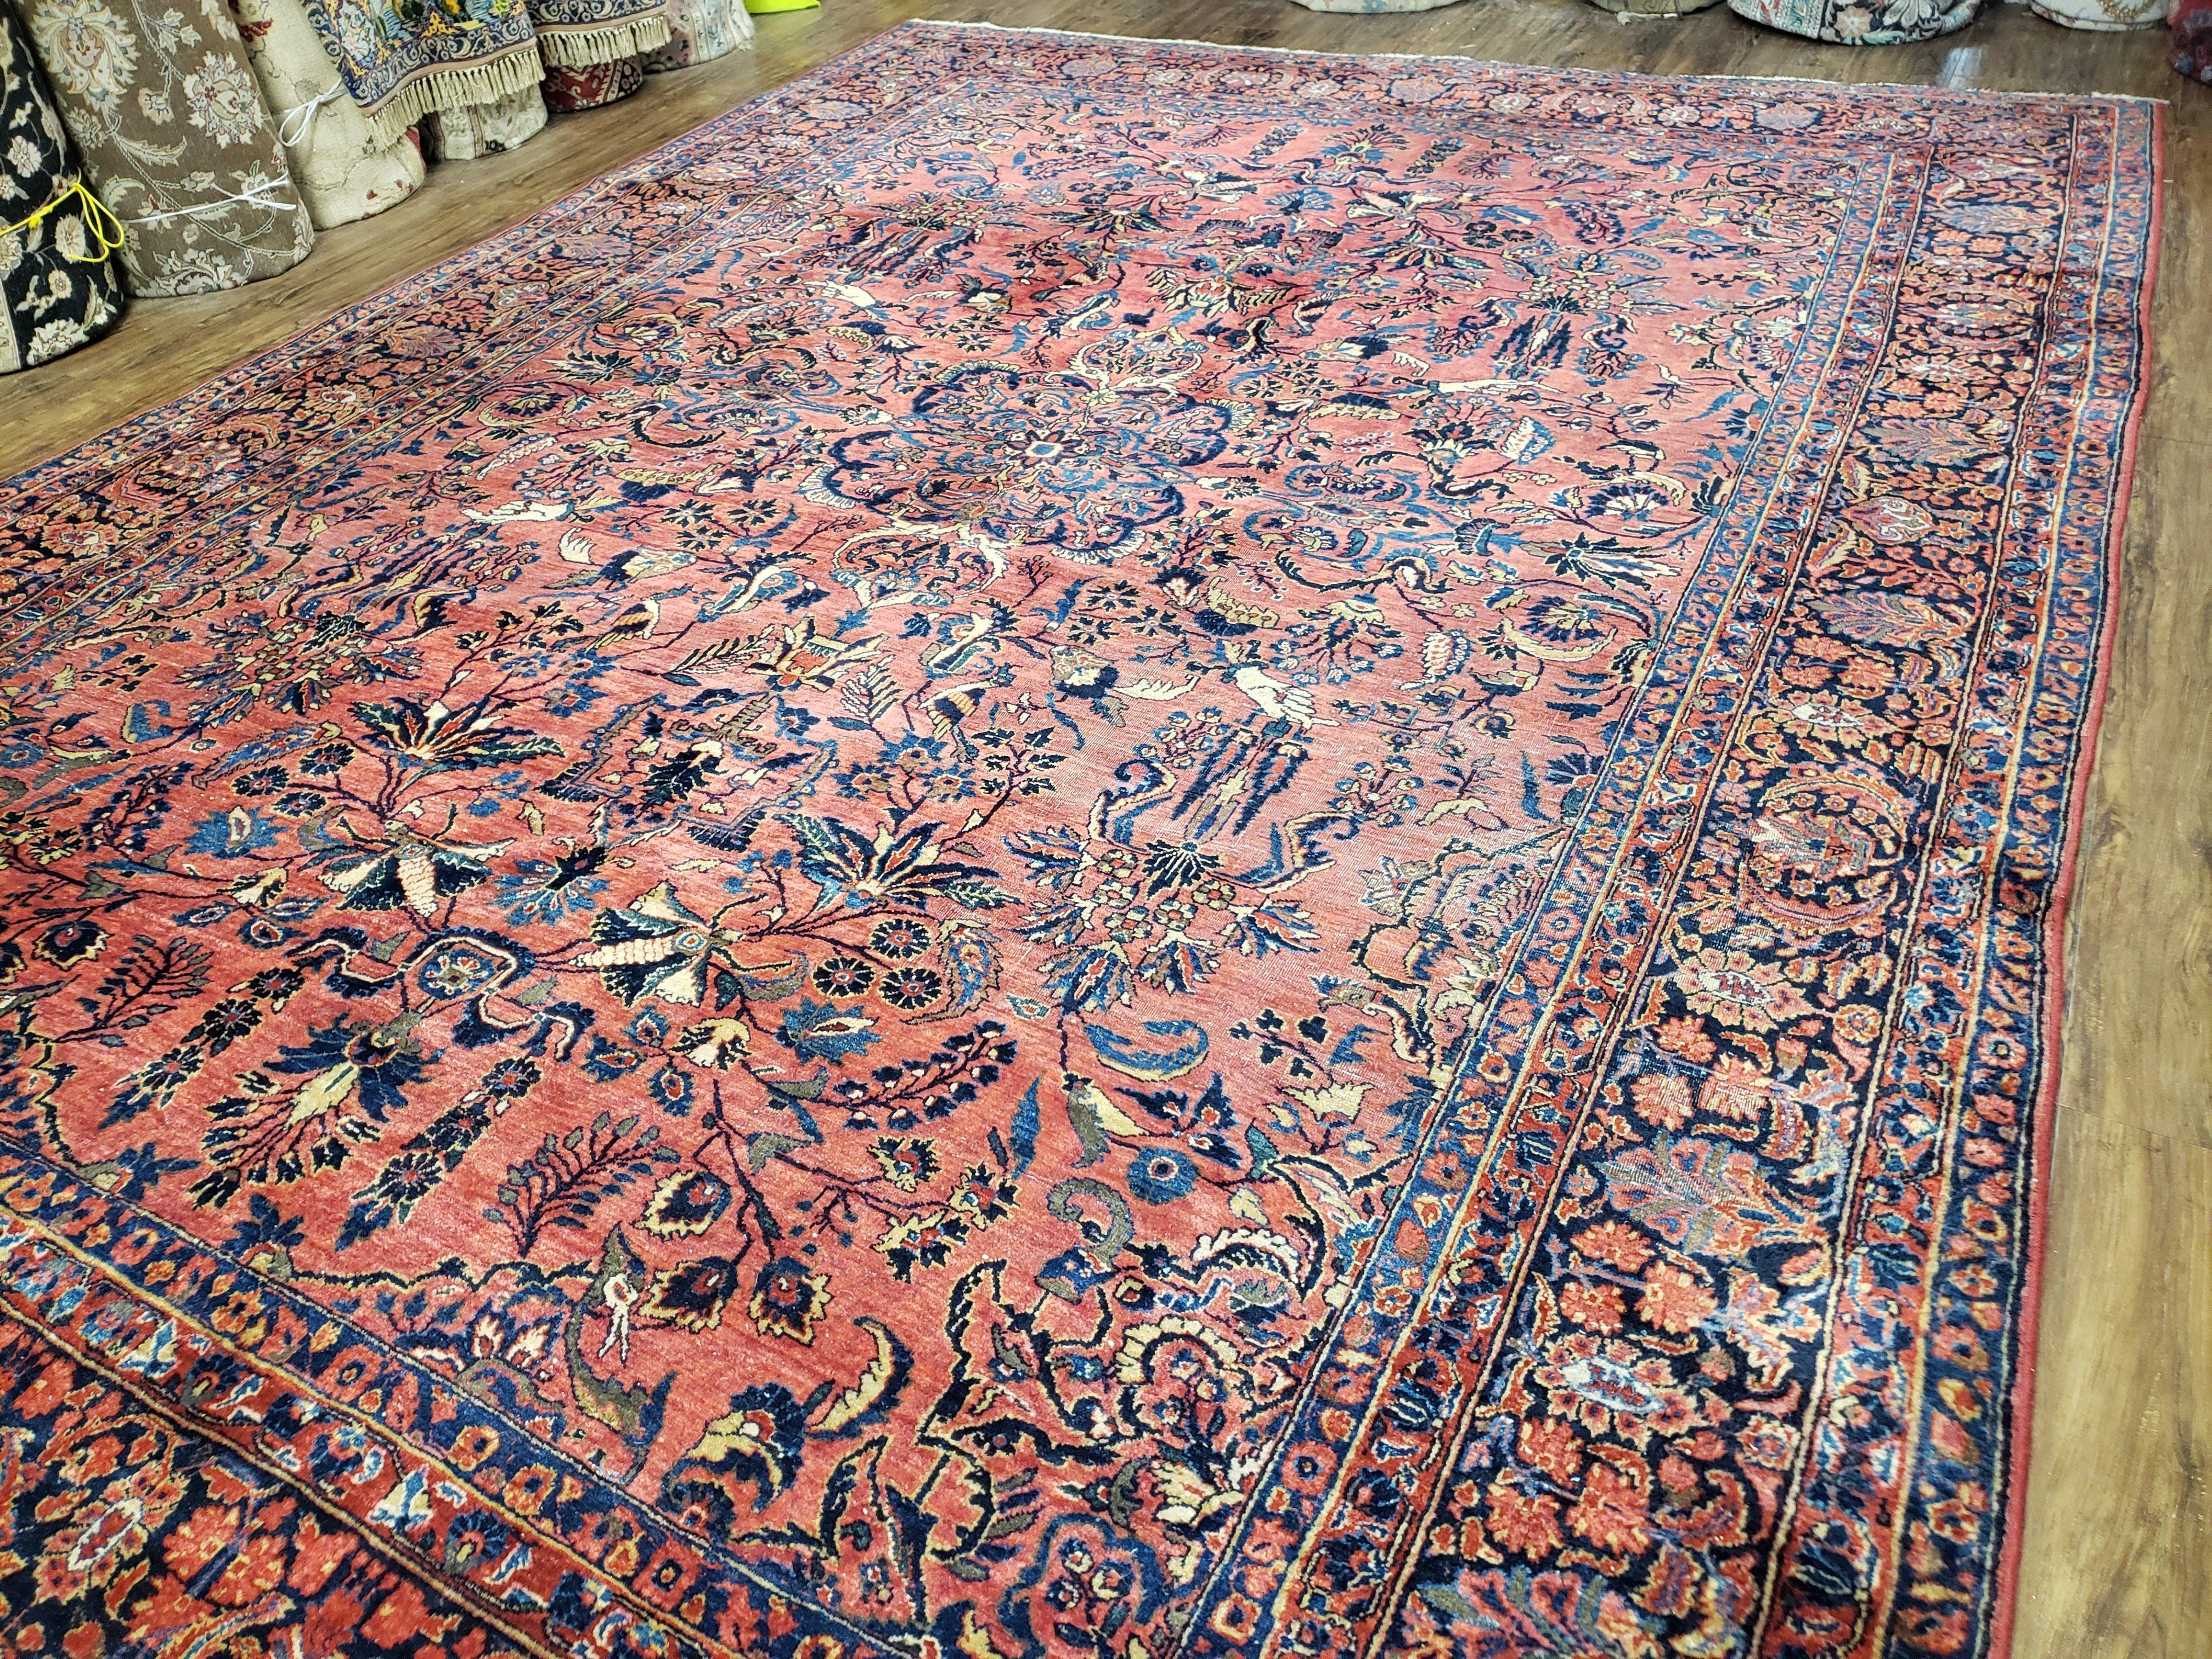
x=258, y=196
x=305, y=115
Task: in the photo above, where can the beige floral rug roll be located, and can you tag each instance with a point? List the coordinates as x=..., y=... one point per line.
x=339, y=166
x=2103, y=14
x=164, y=108
x=699, y=31
x=474, y=129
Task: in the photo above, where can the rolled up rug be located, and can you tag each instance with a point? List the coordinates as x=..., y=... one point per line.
x=1652, y=8
x=58, y=286
x=568, y=90
x=400, y=59
x=2103, y=14
x=164, y=109
x=583, y=33
x=764, y=6
x=474, y=129
x=699, y=31
x=1861, y=23
x=2191, y=23
x=341, y=168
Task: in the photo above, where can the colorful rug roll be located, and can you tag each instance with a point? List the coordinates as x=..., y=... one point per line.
x=58, y=289
x=1861, y=23
x=2191, y=23
x=474, y=129
x=699, y=31
x=401, y=60
x=164, y=108
x=568, y=90
x=341, y=168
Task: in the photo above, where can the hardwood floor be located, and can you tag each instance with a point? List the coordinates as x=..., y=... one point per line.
x=2117, y=1561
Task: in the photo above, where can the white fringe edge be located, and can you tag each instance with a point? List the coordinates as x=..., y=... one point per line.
x=456, y=86
x=584, y=45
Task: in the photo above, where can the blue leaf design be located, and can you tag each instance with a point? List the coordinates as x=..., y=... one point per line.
x=1153, y=1064
x=1024, y=1129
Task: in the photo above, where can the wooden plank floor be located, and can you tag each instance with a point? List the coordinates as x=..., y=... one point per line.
x=2118, y=1553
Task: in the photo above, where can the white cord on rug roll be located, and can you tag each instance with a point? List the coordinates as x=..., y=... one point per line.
x=257, y=197
x=306, y=112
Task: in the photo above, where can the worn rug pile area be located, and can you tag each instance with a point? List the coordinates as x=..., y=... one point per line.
x=1080, y=847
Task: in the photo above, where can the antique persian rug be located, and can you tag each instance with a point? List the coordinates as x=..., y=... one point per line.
x=1079, y=847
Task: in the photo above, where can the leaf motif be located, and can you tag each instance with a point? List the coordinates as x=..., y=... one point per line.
x=1086, y=1105
x=712, y=654
x=1188, y=1038
x=766, y=1145
x=871, y=694
x=875, y=1391
x=1024, y=1129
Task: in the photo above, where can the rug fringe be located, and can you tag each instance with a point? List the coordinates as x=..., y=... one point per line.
x=456, y=86
x=602, y=42
x=1549, y=69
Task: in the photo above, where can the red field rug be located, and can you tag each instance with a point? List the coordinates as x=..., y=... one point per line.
x=1086, y=848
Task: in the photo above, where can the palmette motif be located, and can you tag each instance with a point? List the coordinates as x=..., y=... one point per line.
x=1089, y=849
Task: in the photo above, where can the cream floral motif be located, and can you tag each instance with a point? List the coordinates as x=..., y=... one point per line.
x=222, y=101
x=51, y=340
x=88, y=50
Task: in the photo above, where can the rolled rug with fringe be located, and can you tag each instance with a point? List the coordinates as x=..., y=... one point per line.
x=341, y=168
x=59, y=286
x=401, y=61
x=580, y=34
x=163, y=108
x=699, y=31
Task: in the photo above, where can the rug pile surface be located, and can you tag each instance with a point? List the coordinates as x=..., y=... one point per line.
x=1080, y=847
